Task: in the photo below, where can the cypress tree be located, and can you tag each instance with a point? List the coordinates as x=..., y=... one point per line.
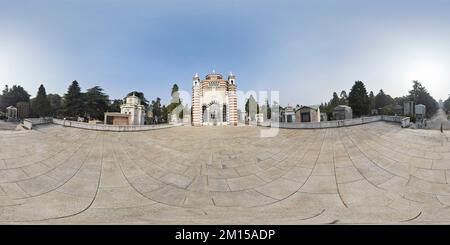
x=41, y=105
x=73, y=101
x=358, y=99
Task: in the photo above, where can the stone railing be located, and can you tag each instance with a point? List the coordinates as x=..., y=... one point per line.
x=106, y=127
x=30, y=122
x=340, y=123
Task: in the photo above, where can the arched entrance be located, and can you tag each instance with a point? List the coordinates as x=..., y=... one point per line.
x=212, y=113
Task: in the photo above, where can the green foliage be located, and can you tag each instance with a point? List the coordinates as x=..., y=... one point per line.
x=420, y=95
x=55, y=103
x=115, y=106
x=73, y=105
x=40, y=106
x=157, y=111
x=96, y=103
x=164, y=114
x=372, y=104
x=343, y=100
x=266, y=110
x=251, y=107
x=11, y=96
x=388, y=110
x=382, y=100
x=358, y=99
x=175, y=102
x=447, y=105
x=335, y=101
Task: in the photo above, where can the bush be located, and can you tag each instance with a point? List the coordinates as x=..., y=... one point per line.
x=388, y=110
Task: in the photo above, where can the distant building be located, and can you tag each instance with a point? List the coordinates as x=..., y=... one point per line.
x=289, y=114
x=398, y=110
x=342, y=112
x=214, y=100
x=23, y=109
x=441, y=103
x=241, y=116
x=11, y=113
x=116, y=118
x=409, y=108
x=323, y=117
x=132, y=112
x=374, y=112
x=421, y=111
x=259, y=118
x=308, y=114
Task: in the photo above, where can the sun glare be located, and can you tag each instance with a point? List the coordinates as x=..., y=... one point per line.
x=429, y=71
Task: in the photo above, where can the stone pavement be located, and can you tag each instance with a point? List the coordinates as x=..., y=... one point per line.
x=440, y=120
x=9, y=125
x=373, y=173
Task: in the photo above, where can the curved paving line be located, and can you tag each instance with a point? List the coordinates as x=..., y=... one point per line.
x=69, y=215
x=413, y=218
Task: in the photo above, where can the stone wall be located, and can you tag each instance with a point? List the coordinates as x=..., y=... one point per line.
x=30, y=122
x=105, y=127
x=341, y=123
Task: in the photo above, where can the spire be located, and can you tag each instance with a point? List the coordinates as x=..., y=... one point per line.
x=231, y=73
x=196, y=75
x=214, y=71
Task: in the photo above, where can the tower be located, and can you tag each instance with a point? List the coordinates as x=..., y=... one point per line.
x=196, y=105
x=232, y=99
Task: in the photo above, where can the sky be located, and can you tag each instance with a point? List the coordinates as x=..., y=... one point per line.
x=306, y=50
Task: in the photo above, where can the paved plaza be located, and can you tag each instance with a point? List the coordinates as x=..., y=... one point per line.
x=373, y=173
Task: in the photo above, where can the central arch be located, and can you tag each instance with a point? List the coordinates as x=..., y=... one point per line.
x=212, y=113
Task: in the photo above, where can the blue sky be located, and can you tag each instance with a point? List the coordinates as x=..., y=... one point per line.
x=304, y=49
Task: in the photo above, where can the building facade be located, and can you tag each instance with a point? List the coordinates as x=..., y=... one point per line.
x=132, y=112
x=289, y=114
x=409, y=108
x=214, y=100
x=308, y=114
x=342, y=112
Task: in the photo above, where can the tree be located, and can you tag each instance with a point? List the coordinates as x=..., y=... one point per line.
x=114, y=106
x=343, y=100
x=73, y=105
x=335, y=101
x=358, y=99
x=55, y=103
x=156, y=110
x=174, y=93
x=11, y=96
x=447, y=105
x=372, y=101
x=381, y=100
x=251, y=108
x=175, y=102
x=164, y=114
x=96, y=103
x=41, y=105
x=420, y=95
x=266, y=110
